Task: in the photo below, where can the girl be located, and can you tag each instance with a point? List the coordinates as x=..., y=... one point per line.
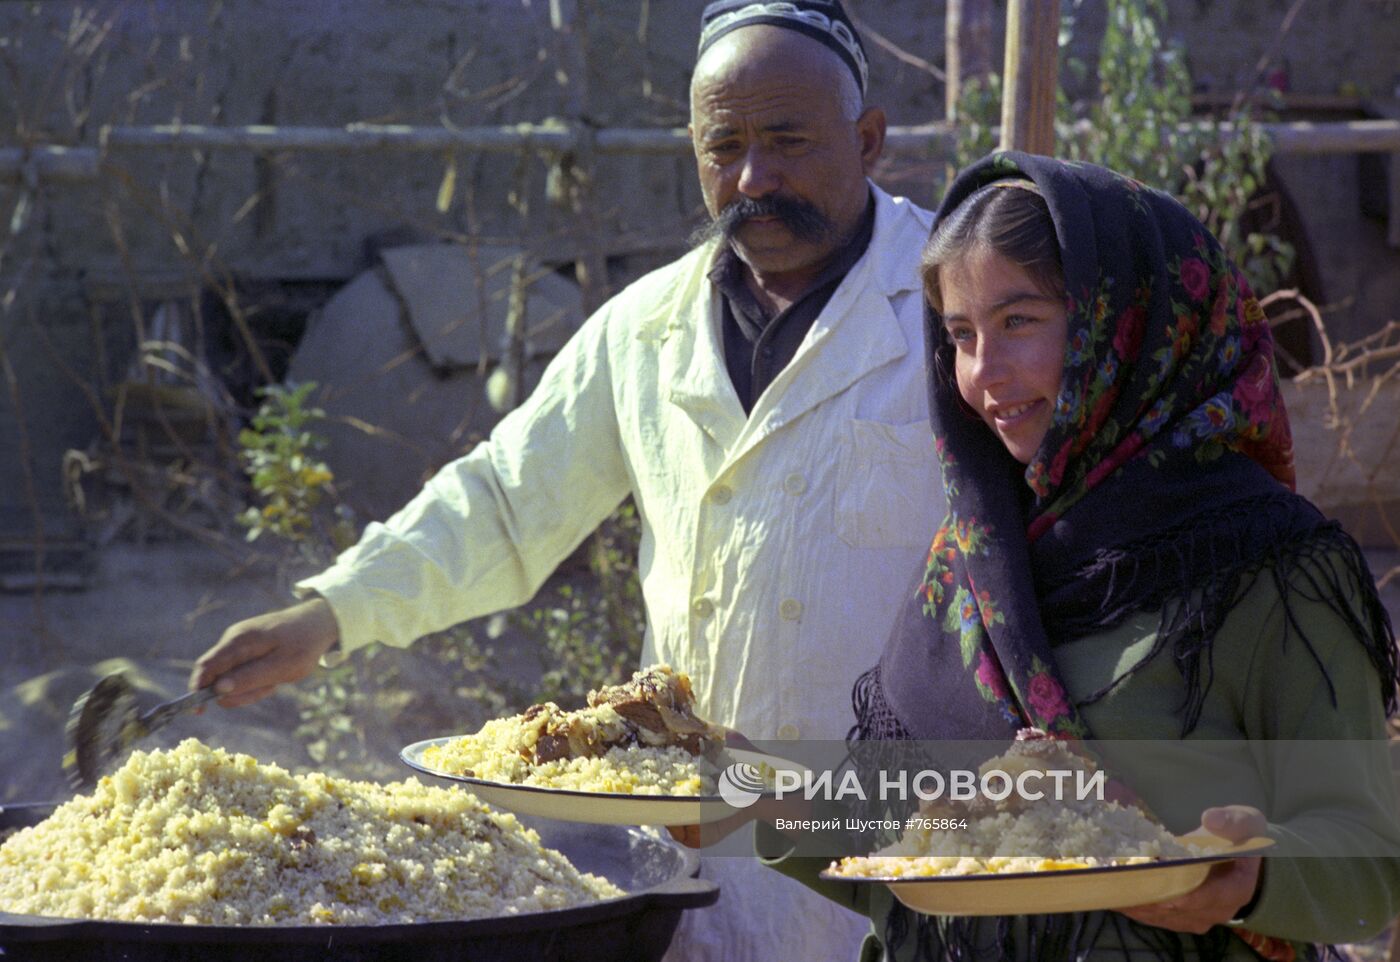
x=1125, y=558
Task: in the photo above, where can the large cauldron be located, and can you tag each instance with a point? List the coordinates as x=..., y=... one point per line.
x=657, y=876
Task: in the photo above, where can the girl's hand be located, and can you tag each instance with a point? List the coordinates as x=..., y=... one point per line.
x=1229, y=886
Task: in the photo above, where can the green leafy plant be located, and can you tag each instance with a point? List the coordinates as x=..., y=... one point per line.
x=290, y=482
x=1144, y=93
x=1138, y=121
x=1140, y=125
x=979, y=111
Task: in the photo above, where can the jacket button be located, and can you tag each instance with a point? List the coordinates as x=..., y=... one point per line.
x=788, y=732
x=790, y=609
x=721, y=494
x=703, y=607
x=794, y=484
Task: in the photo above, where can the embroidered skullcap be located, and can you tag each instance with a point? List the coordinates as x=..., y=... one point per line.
x=823, y=20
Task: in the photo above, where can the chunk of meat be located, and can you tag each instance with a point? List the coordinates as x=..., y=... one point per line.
x=551, y=747
x=655, y=708
x=639, y=712
x=660, y=704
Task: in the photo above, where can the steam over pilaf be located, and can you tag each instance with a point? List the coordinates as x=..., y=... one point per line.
x=199, y=835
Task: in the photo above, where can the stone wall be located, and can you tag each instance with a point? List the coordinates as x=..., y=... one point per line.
x=95, y=255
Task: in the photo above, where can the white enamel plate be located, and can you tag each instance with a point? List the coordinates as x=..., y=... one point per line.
x=1057, y=890
x=605, y=808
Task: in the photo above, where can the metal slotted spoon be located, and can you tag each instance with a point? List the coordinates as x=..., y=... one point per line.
x=105, y=723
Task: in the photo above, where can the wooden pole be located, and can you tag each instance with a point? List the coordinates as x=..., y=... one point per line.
x=1030, y=76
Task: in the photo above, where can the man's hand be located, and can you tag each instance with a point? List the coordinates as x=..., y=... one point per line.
x=255, y=656
x=765, y=809
x=1226, y=889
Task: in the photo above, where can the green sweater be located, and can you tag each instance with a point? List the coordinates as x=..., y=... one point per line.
x=1266, y=686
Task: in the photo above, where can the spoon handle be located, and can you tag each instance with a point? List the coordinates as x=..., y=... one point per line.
x=161, y=715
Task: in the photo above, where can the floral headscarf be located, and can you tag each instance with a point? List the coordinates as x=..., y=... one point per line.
x=1164, y=483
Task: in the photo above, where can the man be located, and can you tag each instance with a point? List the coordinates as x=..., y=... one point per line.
x=762, y=399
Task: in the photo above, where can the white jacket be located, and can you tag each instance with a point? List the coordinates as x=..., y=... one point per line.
x=776, y=548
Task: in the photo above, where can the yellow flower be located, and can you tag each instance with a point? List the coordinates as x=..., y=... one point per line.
x=315, y=476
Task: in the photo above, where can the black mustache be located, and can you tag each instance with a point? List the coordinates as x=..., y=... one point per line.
x=801, y=218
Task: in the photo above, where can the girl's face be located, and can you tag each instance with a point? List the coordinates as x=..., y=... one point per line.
x=1010, y=339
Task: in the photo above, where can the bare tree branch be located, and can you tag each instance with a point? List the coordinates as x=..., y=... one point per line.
x=896, y=51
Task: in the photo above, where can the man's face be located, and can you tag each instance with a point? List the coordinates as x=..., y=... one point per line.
x=769, y=136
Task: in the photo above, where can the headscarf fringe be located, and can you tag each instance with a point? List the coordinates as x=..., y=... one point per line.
x=1318, y=566
x=875, y=720
x=878, y=742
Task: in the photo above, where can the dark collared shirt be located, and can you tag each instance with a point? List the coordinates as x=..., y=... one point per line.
x=758, y=345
